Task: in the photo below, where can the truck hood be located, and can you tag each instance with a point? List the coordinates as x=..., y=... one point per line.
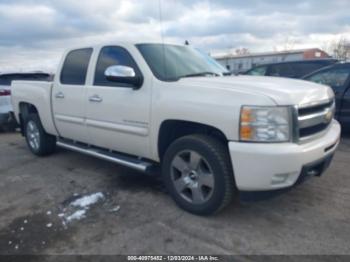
x=283, y=91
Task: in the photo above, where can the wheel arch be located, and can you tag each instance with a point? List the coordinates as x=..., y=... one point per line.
x=170, y=130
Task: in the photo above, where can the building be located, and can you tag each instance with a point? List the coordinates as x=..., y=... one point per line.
x=240, y=63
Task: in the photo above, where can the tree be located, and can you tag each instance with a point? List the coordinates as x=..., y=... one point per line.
x=288, y=44
x=339, y=48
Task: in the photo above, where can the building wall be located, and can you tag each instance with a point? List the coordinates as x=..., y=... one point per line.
x=241, y=64
x=313, y=54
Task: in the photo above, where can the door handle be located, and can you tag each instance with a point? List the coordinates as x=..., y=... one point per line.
x=95, y=98
x=59, y=95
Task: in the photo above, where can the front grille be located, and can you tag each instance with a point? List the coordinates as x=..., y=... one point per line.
x=314, y=119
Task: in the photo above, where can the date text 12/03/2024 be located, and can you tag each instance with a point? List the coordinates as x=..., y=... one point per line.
x=173, y=258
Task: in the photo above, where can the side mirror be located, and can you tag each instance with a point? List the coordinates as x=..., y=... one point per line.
x=123, y=74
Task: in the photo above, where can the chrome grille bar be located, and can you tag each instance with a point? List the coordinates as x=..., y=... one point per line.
x=314, y=119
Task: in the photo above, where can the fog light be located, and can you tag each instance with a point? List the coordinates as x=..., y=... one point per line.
x=279, y=178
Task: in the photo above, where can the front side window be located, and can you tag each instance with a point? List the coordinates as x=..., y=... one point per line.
x=172, y=62
x=307, y=68
x=112, y=56
x=75, y=67
x=333, y=77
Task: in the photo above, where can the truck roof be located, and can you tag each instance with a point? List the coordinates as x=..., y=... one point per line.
x=123, y=43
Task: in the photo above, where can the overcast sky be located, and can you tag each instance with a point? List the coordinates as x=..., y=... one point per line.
x=33, y=33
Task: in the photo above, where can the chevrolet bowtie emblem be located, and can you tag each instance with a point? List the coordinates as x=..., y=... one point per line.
x=328, y=117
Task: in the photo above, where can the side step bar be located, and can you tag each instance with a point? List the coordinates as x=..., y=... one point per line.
x=117, y=158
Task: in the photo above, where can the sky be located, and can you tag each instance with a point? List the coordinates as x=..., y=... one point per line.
x=34, y=33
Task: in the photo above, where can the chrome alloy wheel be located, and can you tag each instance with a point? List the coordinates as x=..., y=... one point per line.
x=192, y=177
x=33, y=135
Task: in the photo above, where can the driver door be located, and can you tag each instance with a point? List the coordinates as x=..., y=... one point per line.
x=117, y=115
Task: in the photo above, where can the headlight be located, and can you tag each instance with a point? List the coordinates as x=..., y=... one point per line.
x=265, y=124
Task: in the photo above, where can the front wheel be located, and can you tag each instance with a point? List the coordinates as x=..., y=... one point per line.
x=39, y=142
x=198, y=174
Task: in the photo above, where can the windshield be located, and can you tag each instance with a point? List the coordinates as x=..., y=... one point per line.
x=172, y=62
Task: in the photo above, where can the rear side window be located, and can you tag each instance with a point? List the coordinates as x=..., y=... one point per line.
x=75, y=67
x=283, y=70
x=258, y=71
x=111, y=56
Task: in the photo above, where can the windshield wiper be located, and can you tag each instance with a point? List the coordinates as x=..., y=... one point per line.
x=200, y=74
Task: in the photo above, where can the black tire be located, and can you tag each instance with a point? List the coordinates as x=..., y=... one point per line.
x=46, y=142
x=215, y=154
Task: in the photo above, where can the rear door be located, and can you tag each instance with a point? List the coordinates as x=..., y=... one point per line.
x=117, y=115
x=69, y=95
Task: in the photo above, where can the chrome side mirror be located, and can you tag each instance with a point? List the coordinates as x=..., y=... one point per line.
x=123, y=74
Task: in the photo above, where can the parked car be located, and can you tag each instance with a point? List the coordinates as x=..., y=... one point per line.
x=150, y=105
x=293, y=69
x=336, y=76
x=7, y=119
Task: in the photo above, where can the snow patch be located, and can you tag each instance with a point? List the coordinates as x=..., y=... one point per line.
x=49, y=225
x=87, y=201
x=77, y=215
x=115, y=209
x=78, y=208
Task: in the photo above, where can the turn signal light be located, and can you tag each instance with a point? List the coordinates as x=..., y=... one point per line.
x=246, y=132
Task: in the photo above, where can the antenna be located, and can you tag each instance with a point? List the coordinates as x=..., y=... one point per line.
x=162, y=35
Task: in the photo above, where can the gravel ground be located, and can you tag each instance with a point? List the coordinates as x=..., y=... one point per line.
x=136, y=216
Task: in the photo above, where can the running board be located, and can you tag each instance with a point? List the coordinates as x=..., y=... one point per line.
x=114, y=157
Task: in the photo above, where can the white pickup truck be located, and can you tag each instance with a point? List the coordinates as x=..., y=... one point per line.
x=159, y=105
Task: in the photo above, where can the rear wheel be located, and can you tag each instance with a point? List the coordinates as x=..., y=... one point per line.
x=198, y=174
x=39, y=142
